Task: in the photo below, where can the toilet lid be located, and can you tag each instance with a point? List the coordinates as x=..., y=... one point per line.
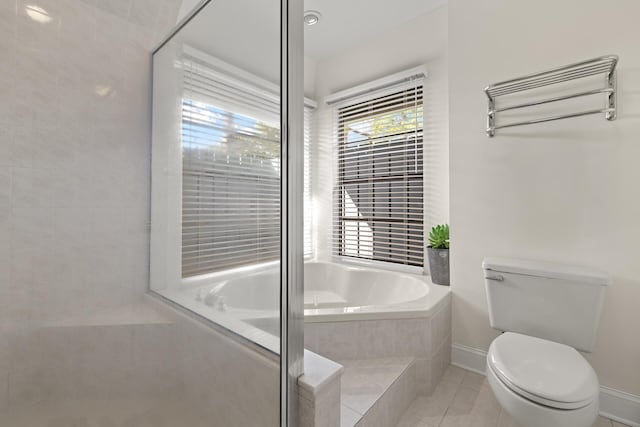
x=546, y=372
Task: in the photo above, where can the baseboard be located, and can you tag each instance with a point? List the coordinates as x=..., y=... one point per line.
x=469, y=358
x=620, y=406
x=614, y=404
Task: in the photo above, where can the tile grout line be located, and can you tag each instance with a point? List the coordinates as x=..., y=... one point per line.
x=453, y=398
x=443, y=416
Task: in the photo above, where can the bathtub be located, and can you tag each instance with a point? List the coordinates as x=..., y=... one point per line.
x=332, y=292
x=338, y=292
x=350, y=312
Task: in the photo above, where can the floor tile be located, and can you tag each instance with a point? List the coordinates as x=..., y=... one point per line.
x=453, y=374
x=472, y=380
x=603, y=422
x=423, y=412
x=464, y=399
x=348, y=417
x=486, y=409
x=505, y=420
x=617, y=424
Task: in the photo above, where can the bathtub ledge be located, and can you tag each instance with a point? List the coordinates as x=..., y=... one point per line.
x=318, y=373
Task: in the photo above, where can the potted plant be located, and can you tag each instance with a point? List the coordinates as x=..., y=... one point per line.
x=438, y=251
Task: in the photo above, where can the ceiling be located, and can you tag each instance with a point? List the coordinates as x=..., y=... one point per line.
x=246, y=33
x=346, y=23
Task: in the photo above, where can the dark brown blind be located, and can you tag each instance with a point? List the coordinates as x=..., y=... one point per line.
x=380, y=184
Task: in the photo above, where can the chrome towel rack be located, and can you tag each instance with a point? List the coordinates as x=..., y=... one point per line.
x=605, y=65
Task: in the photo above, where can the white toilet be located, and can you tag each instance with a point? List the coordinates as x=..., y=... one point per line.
x=547, y=311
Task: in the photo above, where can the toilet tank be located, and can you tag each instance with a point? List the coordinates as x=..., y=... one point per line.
x=557, y=302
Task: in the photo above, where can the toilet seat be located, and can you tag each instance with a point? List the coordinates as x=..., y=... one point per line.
x=545, y=372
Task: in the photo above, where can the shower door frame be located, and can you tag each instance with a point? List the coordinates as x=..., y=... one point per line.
x=291, y=208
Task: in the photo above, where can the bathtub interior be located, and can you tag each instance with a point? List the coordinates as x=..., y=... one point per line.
x=247, y=303
x=258, y=291
x=327, y=286
x=330, y=285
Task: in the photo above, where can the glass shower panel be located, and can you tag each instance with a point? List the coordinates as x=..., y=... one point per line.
x=216, y=173
x=82, y=341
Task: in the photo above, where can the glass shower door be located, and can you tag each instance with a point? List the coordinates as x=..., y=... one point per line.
x=226, y=208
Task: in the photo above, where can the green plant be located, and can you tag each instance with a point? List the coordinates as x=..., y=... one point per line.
x=439, y=237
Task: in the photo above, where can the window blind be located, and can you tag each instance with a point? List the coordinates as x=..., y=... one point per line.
x=378, y=213
x=308, y=206
x=230, y=172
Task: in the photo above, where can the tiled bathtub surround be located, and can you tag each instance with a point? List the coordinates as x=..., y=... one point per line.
x=427, y=340
x=376, y=392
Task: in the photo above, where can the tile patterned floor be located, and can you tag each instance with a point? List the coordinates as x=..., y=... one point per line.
x=464, y=399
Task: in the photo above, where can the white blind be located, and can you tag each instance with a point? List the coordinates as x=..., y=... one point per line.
x=230, y=172
x=378, y=209
x=308, y=206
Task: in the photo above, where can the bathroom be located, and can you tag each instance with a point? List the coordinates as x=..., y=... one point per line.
x=288, y=284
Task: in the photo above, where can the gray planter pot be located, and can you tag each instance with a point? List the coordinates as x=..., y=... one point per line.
x=439, y=265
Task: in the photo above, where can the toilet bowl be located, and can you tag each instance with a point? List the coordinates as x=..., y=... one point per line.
x=542, y=383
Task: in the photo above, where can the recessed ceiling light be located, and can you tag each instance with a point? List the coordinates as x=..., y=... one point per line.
x=311, y=17
x=38, y=14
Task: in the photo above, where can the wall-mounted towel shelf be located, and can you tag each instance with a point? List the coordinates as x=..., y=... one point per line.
x=605, y=66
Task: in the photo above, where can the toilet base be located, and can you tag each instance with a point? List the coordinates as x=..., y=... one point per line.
x=529, y=414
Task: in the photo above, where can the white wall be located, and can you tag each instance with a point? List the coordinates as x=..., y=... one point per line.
x=422, y=41
x=564, y=191
x=310, y=77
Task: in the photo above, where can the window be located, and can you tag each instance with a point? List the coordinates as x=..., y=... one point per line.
x=230, y=173
x=379, y=195
x=230, y=189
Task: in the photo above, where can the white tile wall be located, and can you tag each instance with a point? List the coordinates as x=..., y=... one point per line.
x=74, y=145
x=74, y=202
